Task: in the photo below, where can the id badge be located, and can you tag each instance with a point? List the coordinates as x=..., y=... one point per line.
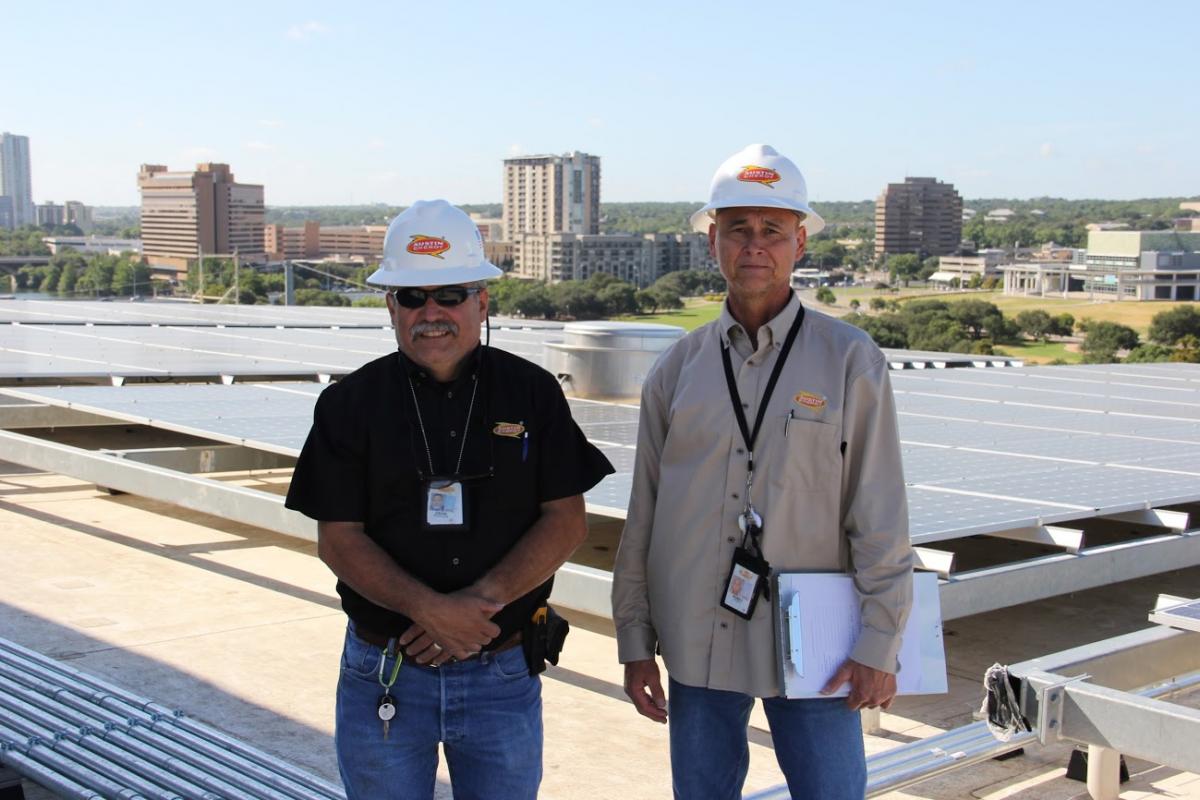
x=747, y=579
x=445, y=505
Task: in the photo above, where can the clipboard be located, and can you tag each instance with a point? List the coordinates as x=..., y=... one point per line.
x=817, y=621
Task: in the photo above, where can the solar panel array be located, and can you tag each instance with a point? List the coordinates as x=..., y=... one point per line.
x=984, y=450
x=70, y=341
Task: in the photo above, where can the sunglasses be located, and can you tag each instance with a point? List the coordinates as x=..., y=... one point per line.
x=447, y=296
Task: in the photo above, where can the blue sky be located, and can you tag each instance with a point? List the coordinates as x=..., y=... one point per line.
x=336, y=103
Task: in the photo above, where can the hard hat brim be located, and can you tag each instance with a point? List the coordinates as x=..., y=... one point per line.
x=434, y=276
x=812, y=221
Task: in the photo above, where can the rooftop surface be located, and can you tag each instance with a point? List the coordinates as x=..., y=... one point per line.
x=240, y=628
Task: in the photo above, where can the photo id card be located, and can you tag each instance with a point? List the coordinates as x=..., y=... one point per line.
x=747, y=579
x=445, y=505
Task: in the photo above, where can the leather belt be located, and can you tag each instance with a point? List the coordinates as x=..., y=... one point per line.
x=381, y=640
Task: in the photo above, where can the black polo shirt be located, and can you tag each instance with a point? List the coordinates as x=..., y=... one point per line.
x=365, y=460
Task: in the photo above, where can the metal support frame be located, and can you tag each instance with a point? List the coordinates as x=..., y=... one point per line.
x=932, y=560
x=17, y=415
x=1086, y=696
x=1069, y=539
x=189, y=491
x=1156, y=517
x=205, y=458
x=977, y=591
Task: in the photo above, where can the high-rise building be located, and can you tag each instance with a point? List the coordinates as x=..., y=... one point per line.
x=79, y=215
x=552, y=194
x=15, y=181
x=921, y=215
x=51, y=214
x=184, y=213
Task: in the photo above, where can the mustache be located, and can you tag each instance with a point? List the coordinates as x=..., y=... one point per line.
x=434, y=327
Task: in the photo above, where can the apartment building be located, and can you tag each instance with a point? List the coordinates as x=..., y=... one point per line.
x=295, y=242
x=186, y=213
x=15, y=182
x=639, y=259
x=920, y=215
x=552, y=194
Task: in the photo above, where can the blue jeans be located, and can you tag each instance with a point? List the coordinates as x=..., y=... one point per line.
x=818, y=744
x=486, y=713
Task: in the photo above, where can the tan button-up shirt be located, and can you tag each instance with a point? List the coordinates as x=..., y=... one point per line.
x=828, y=482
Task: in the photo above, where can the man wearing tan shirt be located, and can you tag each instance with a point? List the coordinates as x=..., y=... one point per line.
x=767, y=441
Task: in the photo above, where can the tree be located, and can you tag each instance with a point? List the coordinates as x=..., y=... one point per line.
x=1105, y=339
x=888, y=330
x=1064, y=325
x=825, y=295
x=618, y=298
x=1148, y=353
x=1035, y=323
x=855, y=305
x=878, y=303
x=576, y=299
x=1188, y=350
x=904, y=267
x=532, y=300
x=928, y=267
x=1169, y=326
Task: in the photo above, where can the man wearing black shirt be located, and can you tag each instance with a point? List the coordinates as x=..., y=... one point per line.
x=447, y=480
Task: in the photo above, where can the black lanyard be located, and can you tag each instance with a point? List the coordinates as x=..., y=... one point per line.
x=749, y=436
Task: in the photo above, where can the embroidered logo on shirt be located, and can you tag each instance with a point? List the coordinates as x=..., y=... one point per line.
x=809, y=400
x=510, y=429
x=752, y=173
x=422, y=245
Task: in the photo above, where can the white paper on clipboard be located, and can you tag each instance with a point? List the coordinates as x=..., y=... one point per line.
x=817, y=622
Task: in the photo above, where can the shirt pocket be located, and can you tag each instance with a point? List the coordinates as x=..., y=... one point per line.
x=806, y=458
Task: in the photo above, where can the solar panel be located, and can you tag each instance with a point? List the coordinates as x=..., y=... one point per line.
x=1185, y=616
x=976, y=458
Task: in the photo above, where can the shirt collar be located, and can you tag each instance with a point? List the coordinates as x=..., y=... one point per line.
x=775, y=330
x=420, y=376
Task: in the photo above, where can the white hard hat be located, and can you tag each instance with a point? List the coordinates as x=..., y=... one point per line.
x=432, y=244
x=758, y=177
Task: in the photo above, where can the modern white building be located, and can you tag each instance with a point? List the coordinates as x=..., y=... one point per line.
x=108, y=245
x=15, y=181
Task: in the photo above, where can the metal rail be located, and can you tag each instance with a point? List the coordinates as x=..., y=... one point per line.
x=85, y=738
x=927, y=758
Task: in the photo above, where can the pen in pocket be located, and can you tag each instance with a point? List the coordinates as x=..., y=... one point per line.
x=788, y=421
x=524, y=443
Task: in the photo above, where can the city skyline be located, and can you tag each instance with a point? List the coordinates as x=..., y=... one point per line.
x=376, y=104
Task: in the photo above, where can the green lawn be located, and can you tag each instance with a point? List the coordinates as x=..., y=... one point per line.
x=1038, y=353
x=696, y=312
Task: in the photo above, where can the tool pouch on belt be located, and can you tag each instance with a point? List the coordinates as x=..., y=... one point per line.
x=542, y=639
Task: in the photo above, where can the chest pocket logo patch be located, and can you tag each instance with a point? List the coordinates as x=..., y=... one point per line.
x=809, y=400
x=513, y=430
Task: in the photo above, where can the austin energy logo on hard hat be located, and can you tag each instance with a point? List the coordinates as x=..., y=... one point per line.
x=753, y=173
x=422, y=245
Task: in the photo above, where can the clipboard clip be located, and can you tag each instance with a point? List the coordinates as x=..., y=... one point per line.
x=795, y=636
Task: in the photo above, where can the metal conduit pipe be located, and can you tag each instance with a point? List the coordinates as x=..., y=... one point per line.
x=51, y=747
x=137, y=721
x=29, y=768
x=121, y=731
x=929, y=757
x=146, y=772
x=36, y=748
x=158, y=727
x=296, y=779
